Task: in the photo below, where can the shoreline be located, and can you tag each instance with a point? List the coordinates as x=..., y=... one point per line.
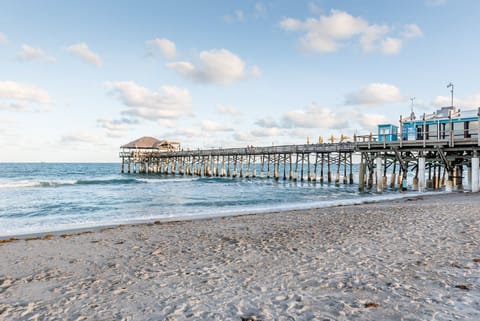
x=94, y=228
x=413, y=258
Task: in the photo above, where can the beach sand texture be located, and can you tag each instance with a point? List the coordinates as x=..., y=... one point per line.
x=411, y=259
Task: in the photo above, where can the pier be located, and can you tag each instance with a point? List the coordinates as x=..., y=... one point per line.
x=439, y=150
x=435, y=164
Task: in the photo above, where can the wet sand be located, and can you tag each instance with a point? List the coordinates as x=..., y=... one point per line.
x=410, y=259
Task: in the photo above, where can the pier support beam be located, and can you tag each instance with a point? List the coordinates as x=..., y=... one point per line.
x=449, y=183
x=421, y=174
x=475, y=176
x=379, y=176
x=459, y=177
x=361, y=176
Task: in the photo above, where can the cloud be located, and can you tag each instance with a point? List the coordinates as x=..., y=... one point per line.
x=374, y=94
x=267, y=132
x=374, y=39
x=314, y=117
x=13, y=106
x=169, y=103
x=80, y=137
x=164, y=47
x=82, y=51
x=331, y=32
x=243, y=136
x=411, y=31
x=469, y=101
x=115, y=128
x=190, y=132
x=31, y=53
x=218, y=66
x=237, y=16
x=369, y=121
x=213, y=126
x=228, y=110
x=3, y=39
x=267, y=122
x=24, y=92
x=260, y=10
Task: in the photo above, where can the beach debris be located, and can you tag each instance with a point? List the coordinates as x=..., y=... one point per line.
x=33, y=238
x=476, y=260
x=157, y=222
x=465, y=287
x=48, y=236
x=371, y=305
x=8, y=240
x=252, y=318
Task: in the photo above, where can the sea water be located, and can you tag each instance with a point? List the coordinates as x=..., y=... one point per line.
x=46, y=197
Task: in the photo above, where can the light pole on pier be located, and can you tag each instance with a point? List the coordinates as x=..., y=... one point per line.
x=412, y=115
x=450, y=85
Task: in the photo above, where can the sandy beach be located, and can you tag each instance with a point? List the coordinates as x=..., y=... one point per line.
x=411, y=259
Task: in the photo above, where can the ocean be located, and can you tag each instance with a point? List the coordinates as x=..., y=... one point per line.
x=48, y=197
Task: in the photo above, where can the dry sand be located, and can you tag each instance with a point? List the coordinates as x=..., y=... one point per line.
x=413, y=259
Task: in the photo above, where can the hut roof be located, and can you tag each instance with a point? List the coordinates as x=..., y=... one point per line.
x=148, y=143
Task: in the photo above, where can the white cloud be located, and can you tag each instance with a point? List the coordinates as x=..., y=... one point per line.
x=81, y=50
x=13, y=106
x=314, y=117
x=331, y=32
x=374, y=94
x=114, y=128
x=213, y=126
x=171, y=103
x=237, y=16
x=469, y=101
x=412, y=31
x=267, y=132
x=260, y=9
x=243, y=136
x=189, y=132
x=370, y=121
x=390, y=46
x=267, y=122
x=24, y=92
x=31, y=53
x=3, y=39
x=218, y=66
x=228, y=110
x=80, y=137
x=164, y=47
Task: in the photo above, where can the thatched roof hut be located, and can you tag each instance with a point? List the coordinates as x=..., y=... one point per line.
x=151, y=143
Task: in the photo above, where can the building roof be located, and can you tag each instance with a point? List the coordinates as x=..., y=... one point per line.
x=147, y=142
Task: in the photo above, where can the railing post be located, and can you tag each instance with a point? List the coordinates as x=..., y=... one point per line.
x=401, y=131
x=478, y=121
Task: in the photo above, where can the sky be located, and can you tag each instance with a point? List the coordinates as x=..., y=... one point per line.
x=78, y=79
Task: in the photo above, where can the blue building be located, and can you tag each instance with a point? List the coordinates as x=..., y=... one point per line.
x=443, y=124
x=387, y=133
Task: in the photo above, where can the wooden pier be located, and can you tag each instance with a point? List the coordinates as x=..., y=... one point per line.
x=434, y=163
